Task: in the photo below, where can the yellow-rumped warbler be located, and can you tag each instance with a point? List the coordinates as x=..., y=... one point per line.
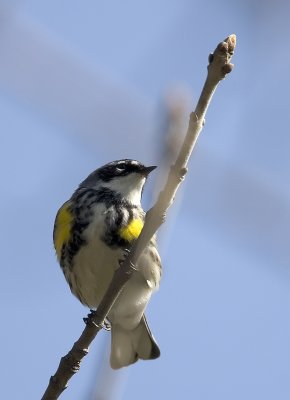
x=92, y=232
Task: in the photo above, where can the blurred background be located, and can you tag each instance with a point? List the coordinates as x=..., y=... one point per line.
x=84, y=83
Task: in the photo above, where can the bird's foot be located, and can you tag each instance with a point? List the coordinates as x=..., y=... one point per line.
x=90, y=320
x=125, y=255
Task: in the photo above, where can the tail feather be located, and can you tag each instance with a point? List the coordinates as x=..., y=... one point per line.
x=130, y=345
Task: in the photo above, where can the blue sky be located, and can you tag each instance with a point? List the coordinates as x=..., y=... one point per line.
x=85, y=83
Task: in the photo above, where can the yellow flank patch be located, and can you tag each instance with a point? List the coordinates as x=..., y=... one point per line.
x=132, y=230
x=62, y=228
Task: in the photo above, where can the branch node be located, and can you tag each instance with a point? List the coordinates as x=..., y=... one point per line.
x=193, y=118
x=72, y=363
x=178, y=173
x=222, y=47
x=183, y=172
x=227, y=68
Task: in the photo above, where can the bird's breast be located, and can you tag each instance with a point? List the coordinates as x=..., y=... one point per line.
x=92, y=271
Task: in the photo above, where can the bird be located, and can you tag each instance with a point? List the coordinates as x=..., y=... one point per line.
x=93, y=231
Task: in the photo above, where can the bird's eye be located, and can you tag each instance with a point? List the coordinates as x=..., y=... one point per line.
x=120, y=167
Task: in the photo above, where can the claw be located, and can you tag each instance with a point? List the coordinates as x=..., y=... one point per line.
x=126, y=253
x=107, y=325
x=89, y=320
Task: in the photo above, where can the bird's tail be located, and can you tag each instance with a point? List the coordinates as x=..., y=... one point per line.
x=130, y=345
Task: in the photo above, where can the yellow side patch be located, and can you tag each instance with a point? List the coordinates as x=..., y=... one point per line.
x=132, y=230
x=62, y=228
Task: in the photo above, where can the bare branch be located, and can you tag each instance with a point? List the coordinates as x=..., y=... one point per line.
x=219, y=66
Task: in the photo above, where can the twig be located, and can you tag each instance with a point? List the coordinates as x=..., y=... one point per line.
x=219, y=66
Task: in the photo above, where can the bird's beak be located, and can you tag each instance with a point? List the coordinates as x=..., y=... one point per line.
x=147, y=170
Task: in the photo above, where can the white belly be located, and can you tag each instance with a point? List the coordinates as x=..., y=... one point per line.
x=93, y=270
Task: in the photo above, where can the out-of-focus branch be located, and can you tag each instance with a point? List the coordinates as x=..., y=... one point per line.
x=219, y=66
